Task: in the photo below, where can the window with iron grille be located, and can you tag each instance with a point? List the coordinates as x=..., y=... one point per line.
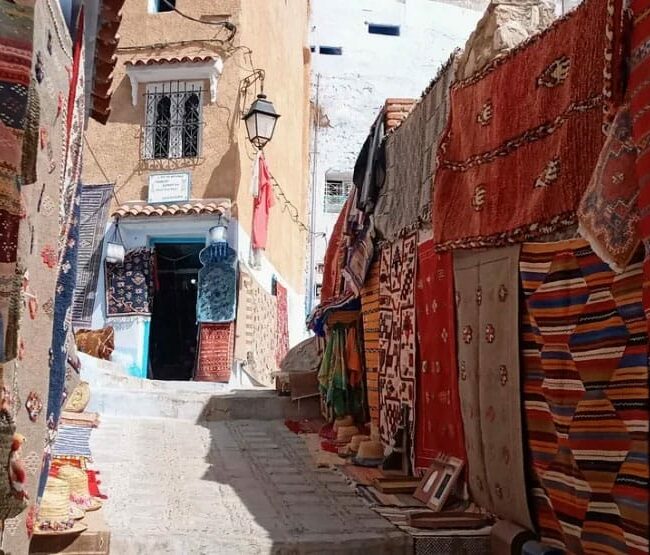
x=336, y=193
x=173, y=120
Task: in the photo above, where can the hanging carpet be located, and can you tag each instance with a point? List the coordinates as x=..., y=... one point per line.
x=439, y=426
x=216, y=297
x=129, y=286
x=215, y=352
x=95, y=204
x=256, y=340
x=370, y=314
x=397, y=337
x=585, y=372
x=488, y=366
x=282, y=346
x=505, y=179
x=608, y=213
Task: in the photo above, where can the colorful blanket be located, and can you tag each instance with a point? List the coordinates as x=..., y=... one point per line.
x=256, y=340
x=487, y=295
x=370, y=315
x=72, y=441
x=216, y=297
x=95, y=203
x=215, y=352
x=505, y=179
x=397, y=337
x=439, y=425
x=129, y=286
x=608, y=213
x=585, y=372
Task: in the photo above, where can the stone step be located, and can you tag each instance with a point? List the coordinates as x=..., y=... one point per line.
x=199, y=406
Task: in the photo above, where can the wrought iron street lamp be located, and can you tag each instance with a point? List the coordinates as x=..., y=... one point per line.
x=260, y=121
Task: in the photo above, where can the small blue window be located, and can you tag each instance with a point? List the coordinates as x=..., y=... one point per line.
x=390, y=30
x=331, y=50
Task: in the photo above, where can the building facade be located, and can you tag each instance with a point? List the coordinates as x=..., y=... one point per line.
x=364, y=52
x=176, y=153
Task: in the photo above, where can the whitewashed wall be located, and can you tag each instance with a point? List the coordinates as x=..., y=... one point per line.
x=352, y=88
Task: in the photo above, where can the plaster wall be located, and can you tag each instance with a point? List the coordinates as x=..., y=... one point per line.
x=271, y=35
x=351, y=89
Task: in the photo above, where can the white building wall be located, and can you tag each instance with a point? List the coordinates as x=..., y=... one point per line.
x=352, y=88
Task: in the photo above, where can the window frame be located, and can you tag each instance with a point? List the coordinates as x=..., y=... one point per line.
x=346, y=187
x=175, y=147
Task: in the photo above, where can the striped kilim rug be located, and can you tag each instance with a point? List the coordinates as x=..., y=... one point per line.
x=585, y=372
x=370, y=314
x=72, y=441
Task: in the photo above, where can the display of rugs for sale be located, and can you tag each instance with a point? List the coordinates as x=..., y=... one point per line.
x=439, y=426
x=256, y=341
x=585, y=372
x=129, y=285
x=487, y=296
x=370, y=315
x=525, y=133
x=215, y=352
x=397, y=275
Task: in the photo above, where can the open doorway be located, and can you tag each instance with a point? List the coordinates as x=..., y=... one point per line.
x=172, y=340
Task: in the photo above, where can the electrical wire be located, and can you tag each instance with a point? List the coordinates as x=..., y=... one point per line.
x=227, y=24
x=290, y=208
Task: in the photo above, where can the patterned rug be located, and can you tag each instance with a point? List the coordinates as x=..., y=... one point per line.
x=72, y=441
x=95, y=204
x=256, y=340
x=215, y=352
x=608, y=213
x=405, y=197
x=585, y=353
x=397, y=337
x=129, y=286
x=370, y=314
x=439, y=425
x=283, y=323
x=488, y=366
x=559, y=105
x=639, y=91
x=333, y=261
x=216, y=297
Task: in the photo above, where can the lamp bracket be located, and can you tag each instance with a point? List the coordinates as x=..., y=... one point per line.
x=247, y=82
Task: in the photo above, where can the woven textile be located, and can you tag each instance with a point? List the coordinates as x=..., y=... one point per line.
x=608, y=213
x=256, y=340
x=129, y=286
x=370, y=314
x=334, y=256
x=216, y=297
x=31, y=309
x=504, y=179
x=95, y=203
x=72, y=441
x=397, y=274
x=585, y=352
x=439, y=426
x=283, y=324
x=405, y=198
x=487, y=295
x=215, y=352
x=639, y=91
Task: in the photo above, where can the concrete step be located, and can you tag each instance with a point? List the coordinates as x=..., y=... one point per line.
x=199, y=406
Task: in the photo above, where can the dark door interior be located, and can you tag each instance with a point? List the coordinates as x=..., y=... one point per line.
x=172, y=341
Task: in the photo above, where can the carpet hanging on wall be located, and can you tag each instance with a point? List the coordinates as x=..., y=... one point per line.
x=585, y=372
x=370, y=315
x=487, y=296
x=505, y=179
x=439, y=426
x=397, y=337
x=215, y=352
x=129, y=286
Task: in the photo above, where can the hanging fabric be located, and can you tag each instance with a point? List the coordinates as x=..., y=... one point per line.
x=262, y=205
x=217, y=288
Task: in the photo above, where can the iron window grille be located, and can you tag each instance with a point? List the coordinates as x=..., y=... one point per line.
x=173, y=120
x=336, y=193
